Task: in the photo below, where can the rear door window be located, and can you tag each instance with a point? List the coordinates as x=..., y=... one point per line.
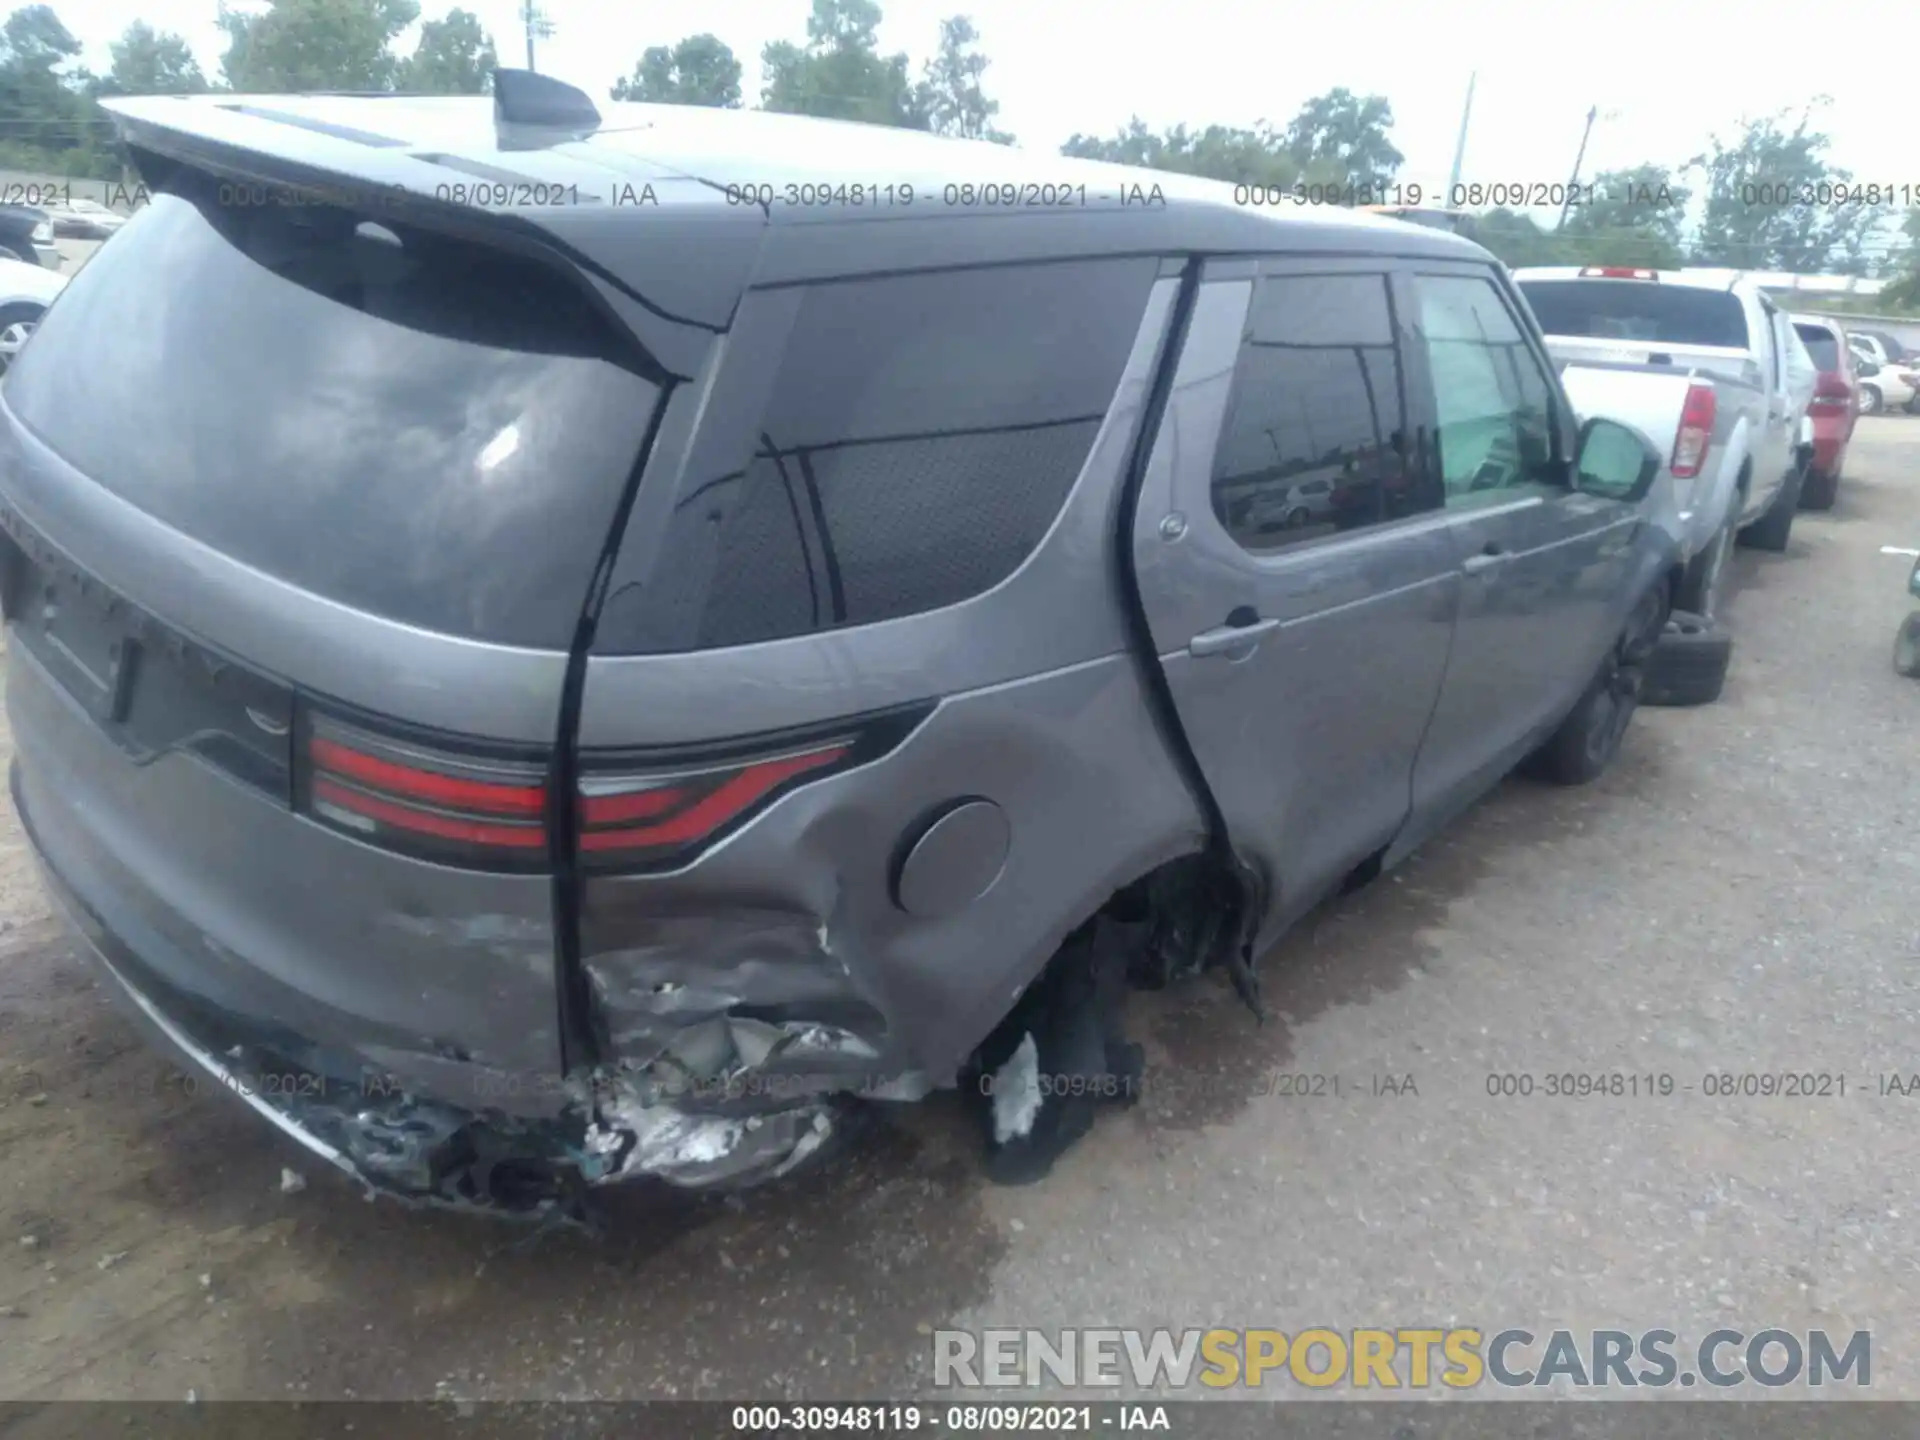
x=1493, y=404
x=1314, y=441
x=414, y=426
x=1821, y=345
x=922, y=434
x=1644, y=311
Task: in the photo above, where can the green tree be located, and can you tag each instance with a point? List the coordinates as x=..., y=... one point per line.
x=1634, y=218
x=951, y=94
x=1764, y=209
x=315, y=44
x=151, y=62
x=1257, y=156
x=455, y=56
x=48, y=120
x=700, y=70
x=1514, y=237
x=1903, y=285
x=1338, y=137
x=840, y=72
x=1342, y=138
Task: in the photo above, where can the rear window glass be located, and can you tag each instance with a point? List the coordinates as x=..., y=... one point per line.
x=1820, y=344
x=921, y=435
x=1638, y=310
x=413, y=426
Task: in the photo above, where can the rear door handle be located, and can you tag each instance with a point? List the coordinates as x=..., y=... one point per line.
x=1228, y=639
x=1488, y=558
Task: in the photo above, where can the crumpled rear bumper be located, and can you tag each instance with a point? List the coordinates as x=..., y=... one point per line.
x=532, y=1156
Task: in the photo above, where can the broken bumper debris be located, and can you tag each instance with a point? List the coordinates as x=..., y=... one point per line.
x=423, y=1150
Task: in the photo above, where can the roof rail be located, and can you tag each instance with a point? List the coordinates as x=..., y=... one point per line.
x=530, y=108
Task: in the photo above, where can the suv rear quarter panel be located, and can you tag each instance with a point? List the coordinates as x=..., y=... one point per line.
x=1040, y=709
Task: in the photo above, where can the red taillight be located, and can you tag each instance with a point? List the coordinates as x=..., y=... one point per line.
x=648, y=817
x=1831, y=392
x=1617, y=272
x=425, y=799
x=490, y=797
x=1696, y=431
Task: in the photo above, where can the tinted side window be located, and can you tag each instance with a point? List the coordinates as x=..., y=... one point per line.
x=1314, y=439
x=1820, y=344
x=921, y=436
x=1493, y=404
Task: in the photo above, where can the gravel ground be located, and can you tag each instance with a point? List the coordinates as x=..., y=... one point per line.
x=1726, y=900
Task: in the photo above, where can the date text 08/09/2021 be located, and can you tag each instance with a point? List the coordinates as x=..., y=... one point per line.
x=968, y=1419
x=1022, y=194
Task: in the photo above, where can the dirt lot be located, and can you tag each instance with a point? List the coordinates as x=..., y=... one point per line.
x=1731, y=898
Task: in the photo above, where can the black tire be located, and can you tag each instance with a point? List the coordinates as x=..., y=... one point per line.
x=1706, y=573
x=1912, y=407
x=1906, y=647
x=1589, y=738
x=1820, y=491
x=1871, y=401
x=1689, y=665
x=1771, y=530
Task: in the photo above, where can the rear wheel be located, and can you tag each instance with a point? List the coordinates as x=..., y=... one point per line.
x=16, y=326
x=1700, y=586
x=1589, y=738
x=1906, y=647
x=1771, y=530
x=1820, y=491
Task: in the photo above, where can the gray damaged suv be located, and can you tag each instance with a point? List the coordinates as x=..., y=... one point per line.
x=548, y=649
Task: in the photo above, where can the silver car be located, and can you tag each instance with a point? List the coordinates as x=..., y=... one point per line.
x=587, y=672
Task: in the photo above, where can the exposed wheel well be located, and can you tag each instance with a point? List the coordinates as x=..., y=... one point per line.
x=1180, y=918
x=1189, y=910
x=1185, y=915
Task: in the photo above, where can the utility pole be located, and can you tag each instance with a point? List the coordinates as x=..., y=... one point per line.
x=1592, y=115
x=1460, y=145
x=536, y=22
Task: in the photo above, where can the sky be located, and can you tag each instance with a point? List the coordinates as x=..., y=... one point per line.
x=1664, y=76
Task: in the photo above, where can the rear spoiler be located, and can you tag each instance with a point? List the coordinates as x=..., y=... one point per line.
x=382, y=178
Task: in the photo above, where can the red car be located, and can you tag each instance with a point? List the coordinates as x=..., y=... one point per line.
x=1833, y=407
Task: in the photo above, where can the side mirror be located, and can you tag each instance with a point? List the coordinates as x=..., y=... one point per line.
x=1913, y=580
x=1864, y=367
x=1615, y=461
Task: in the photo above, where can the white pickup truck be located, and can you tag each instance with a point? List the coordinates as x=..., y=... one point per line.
x=1714, y=375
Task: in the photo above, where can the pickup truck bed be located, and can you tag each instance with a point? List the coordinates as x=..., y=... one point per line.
x=1632, y=343
x=1650, y=396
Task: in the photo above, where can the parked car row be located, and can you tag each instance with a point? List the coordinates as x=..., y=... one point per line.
x=831, y=680
x=26, y=234
x=84, y=219
x=1707, y=366
x=1862, y=372
x=1757, y=407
